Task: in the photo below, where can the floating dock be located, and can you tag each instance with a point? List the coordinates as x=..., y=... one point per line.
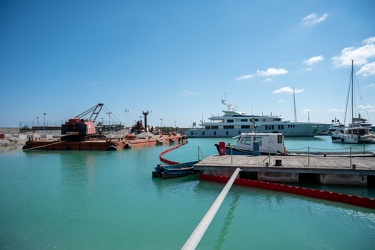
x=343, y=169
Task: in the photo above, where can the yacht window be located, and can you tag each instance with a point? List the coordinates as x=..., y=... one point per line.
x=230, y=121
x=246, y=140
x=243, y=120
x=245, y=126
x=214, y=127
x=228, y=127
x=258, y=139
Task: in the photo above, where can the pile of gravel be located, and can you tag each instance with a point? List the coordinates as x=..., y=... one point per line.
x=12, y=142
x=123, y=132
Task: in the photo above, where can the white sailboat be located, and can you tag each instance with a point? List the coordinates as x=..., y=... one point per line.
x=354, y=133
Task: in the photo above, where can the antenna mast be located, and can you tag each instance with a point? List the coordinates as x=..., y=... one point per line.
x=294, y=100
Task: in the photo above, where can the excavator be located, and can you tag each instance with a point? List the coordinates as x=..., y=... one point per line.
x=79, y=129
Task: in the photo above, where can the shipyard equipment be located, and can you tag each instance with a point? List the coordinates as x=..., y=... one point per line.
x=79, y=128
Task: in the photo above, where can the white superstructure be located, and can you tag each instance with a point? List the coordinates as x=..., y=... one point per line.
x=233, y=123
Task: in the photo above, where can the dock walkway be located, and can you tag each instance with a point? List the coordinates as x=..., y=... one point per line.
x=329, y=169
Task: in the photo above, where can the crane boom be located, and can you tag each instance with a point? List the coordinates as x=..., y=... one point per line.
x=94, y=112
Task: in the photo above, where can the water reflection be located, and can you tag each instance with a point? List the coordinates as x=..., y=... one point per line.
x=227, y=222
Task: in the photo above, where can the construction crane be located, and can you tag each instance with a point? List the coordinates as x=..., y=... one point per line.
x=78, y=128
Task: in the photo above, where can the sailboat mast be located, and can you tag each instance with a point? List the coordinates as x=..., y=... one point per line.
x=351, y=79
x=294, y=101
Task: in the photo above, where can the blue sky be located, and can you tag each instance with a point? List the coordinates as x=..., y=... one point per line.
x=179, y=59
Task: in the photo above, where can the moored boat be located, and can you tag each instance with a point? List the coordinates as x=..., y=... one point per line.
x=174, y=171
x=359, y=129
x=254, y=144
x=233, y=123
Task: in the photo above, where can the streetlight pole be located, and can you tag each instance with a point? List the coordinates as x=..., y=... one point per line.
x=44, y=120
x=161, y=125
x=175, y=127
x=38, y=121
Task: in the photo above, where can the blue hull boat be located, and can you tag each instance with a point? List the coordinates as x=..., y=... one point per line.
x=174, y=171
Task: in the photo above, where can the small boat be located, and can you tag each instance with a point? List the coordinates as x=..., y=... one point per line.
x=174, y=171
x=254, y=144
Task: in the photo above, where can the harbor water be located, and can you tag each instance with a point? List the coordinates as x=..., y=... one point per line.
x=108, y=200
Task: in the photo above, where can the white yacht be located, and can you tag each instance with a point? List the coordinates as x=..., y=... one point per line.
x=233, y=123
x=353, y=135
x=336, y=126
x=254, y=144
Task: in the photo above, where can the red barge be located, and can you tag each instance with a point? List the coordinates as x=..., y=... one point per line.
x=103, y=143
x=80, y=134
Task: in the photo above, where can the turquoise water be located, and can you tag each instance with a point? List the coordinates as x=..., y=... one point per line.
x=108, y=200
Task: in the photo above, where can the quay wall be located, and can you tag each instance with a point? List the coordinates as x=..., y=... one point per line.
x=289, y=177
x=278, y=177
x=343, y=179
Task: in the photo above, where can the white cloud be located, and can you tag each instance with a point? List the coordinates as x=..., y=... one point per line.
x=367, y=69
x=287, y=90
x=306, y=69
x=360, y=55
x=367, y=108
x=313, y=19
x=370, y=86
x=188, y=93
x=335, y=110
x=313, y=60
x=268, y=79
x=369, y=40
x=306, y=111
x=244, y=77
x=272, y=72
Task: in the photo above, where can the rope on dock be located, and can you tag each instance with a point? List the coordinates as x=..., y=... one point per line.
x=199, y=231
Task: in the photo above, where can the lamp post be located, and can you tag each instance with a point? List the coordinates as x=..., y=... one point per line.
x=44, y=120
x=38, y=121
x=126, y=115
x=161, y=125
x=175, y=127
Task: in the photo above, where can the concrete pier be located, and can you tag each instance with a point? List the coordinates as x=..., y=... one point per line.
x=325, y=169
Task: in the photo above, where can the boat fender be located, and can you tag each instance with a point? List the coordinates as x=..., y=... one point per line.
x=108, y=140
